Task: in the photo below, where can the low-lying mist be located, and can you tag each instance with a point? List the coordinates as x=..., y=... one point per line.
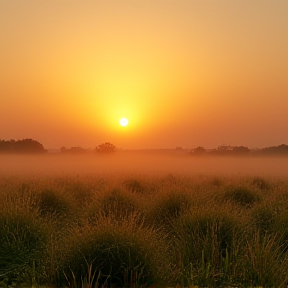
x=125, y=163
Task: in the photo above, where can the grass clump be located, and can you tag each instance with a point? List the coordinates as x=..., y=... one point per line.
x=242, y=196
x=265, y=262
x=263, y=217
x=134, y=185
x=82, y=191
x=53, y=203
x=24, y=241
x=207, y=244
x=125, y=252
x=116, y=203
x=260, y=183
x=280, y=228
x=168, y=207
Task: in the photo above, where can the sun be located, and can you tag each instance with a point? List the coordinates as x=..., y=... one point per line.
x=123, y=122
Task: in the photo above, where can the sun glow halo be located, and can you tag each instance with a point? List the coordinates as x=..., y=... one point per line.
x=123, y=122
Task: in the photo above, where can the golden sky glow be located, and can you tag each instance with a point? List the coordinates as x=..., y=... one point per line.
x=184, y=72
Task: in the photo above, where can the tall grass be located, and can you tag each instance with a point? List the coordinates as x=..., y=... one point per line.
x=24, y=237
x=137, y=230
x=208, y=243
x=125, y=252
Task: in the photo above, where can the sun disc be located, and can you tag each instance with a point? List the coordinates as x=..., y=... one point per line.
x=123, y=122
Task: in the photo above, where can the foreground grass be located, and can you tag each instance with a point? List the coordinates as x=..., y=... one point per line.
x=135, y=230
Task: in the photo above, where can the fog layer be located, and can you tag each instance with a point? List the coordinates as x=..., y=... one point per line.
x=143, y=164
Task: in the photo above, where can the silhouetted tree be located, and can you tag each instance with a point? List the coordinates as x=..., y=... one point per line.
x=6, y=146
x=73, y=150
x=105, y=148
x=281, y=149
x=63, y=150
x=77, y=150
x=224, y=149
x=21, y=146
x=199, y=151
x=240, y=150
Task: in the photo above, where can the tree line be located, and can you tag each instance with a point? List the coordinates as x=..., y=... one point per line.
x=33, y=146
x=241, y=150
x=105, y=148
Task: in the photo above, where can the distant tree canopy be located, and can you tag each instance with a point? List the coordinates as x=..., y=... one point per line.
x=231, y=150
x=73, y=150
x=21, y=146
x=242, y=150
x=105, y=148
x=222, y=150
x=281, y=149
x=199, y=151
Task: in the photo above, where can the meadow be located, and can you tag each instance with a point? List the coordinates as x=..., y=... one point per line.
x=73, y=223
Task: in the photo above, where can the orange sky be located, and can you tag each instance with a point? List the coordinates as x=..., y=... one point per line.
x=184, y=72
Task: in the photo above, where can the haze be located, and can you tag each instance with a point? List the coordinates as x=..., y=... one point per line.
x=185, y=73
x=142, y=164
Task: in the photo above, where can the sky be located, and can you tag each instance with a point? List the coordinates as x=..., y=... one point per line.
x=184, y=73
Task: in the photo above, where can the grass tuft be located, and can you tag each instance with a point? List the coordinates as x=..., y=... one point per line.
x=260, y=183
x=206, y=242
x=24, y=241
x=167, y=208
x=125, y=252
x=53, y=203
x=242, y=196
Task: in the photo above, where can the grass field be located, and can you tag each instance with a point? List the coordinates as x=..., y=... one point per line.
x=139, y=229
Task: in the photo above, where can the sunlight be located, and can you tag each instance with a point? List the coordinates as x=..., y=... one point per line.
x=123, y=122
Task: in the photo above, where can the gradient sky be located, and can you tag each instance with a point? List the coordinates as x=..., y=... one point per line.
x=184, y=72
